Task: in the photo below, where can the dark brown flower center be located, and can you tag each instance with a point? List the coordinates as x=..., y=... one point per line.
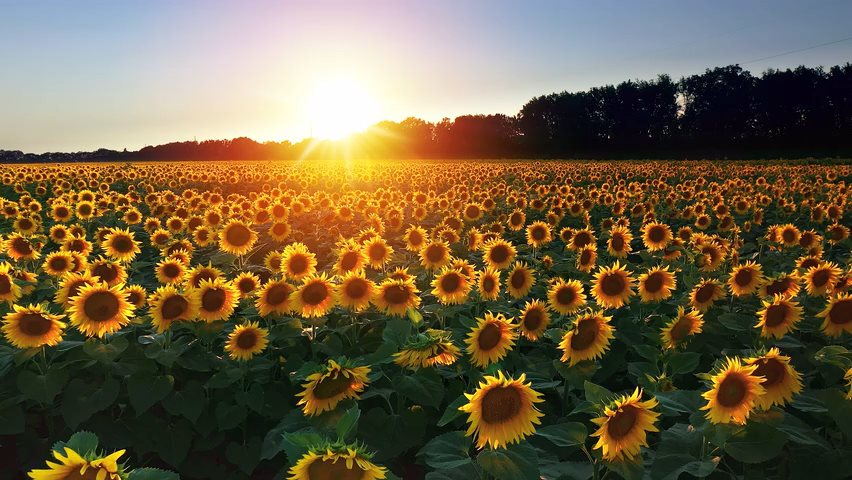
x=298, y=264
x=732, y=391
x=122, y=244
x=321, y=469
x=213, y=299
x=34, y=324
x=744, y=277
x=778, y=286
x=705, y=293
x=106, y=272
x=566, y=295
x=5, y=284
x=278, y=294
x=451, y=282
x=377, y=251
x=841, y=312
x=499, y=254
x=434, y=253
x=348, y=261
x=174, y=307
x=331, y=387
x=538, y=233
x=656, y=234
x=533, y=319
x=581, y=239
x=681, y=328
x=776, y=314
x=585, y=334
x=518, y=279
x=356, y=288
x=238, y=235
x=621, y=424
x=821, y=277
x=247, y=339
x=396, y=295
x=501, y=404
x=617, y=243
x=489, y=336
x=772, y=370
x=315, y=293
x=613, y=284
x=654, y=282
x=59, y=264
x=101, y=306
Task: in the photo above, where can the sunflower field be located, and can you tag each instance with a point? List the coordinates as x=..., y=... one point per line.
x=425, y=320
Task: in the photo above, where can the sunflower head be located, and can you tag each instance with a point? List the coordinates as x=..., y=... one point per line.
x=588, y=338
x=705, y=293
x=837, y=315
x=451, y=286
x=734, y=392
x=534, y=320
x=434, y=347
x=491, y=339
x=336, y=381
x=315, y=297
x=566, y=297
x=32, y=326
x=71, y=464
x=336, y=461
x=217, y=299
x=745, y=279
x=656, y=284
x=488, y=283
x=624, y=425
x=246, y=341
x=613, y=286
x=780, y=380
x=520, y=280
x=677, y=331
x=100, y=309
x=395, y=297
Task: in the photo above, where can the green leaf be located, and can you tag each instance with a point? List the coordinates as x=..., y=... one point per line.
x=246, y=457
x=800, y=432
x=628, y=469
x=42, y=388
x=597, y=394
x=757, y=442
x=679, y=451
x=348, y=421
x=273, y=442
x=396, y=331
x=299, y=443
x=104, y=351
x=838, y=408
x=684, y=362
x=735, y=321
x=12, y=420
x=424, y=387
x=229, y=416
x=145, y=390
x=83, y=442
x=152, y=474
x=452, y=412
x=517, y=462
x=81, y=400
x=568, y=434
x=225, y=377
x=188, y=402
x=679, y=401
x=447, y=451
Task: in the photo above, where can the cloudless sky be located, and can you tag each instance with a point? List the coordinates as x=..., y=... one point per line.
x=78, y=74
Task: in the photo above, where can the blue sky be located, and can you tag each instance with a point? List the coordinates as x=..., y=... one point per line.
x=78, y=75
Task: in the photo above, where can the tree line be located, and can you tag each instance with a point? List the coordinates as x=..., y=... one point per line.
x=723, y=112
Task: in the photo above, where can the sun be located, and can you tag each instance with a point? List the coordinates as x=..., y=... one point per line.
x=340, y=107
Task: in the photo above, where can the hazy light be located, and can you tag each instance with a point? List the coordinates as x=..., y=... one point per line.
x=339, y=107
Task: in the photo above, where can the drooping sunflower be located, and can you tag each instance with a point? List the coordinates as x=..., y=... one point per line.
x=168, y=305
x=705, y=293
x=298, y=262
x=451, y=286
x=336, y=382
x=237, y=238
x=837, y=315
x=745, y=279
x=780, y=380
x=613, y=286
x=624, y=426
x=434, y=347
x=355, y=291
x=498, y=254
x=538, y=234
x=274, y=297
x=520, y=280
x=396, y=296
x=821, y=279
x=99, y=309
x=246, y=341
x=735, y=390
x=491, y=339
x=336, y=461
x=534, y=320
x=618, y=244
x=73, y=466
x=217, y=299
x=57, y=264
x=434, y=255
x=588, y=339
x=779, y=316
x=121, y=245
x=501, y=411
x=786, y=285
x=656, y=284
x=681, y=327
x=656, y=236
x=32, y=326
x=488, y=283
x=566, y=297
x=315, y=297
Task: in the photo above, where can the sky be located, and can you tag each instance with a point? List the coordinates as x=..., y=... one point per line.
x=80, y=75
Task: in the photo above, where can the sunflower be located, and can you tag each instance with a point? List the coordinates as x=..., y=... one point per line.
x=837, y=316
x=69, y=286
x=780, y=380
x=415, y=237
x=136, y=295
x=656, y=284
x=396, y=296
x=355, y=291
x=656, y=236
x=520, y=280
x=588, y=339
x=378, y=252
x=109, y=272
x=73, y=466
x=217, y=299
x=613, y=286
x=328, y=387
x=246, y=341
x=586, y=258
x=168, y=305
x=435, y=347
x=19, y=247
x=538, y=234
x=491, y=339
x=350, y=258
x=451, y=286
x=57, y=264
x=499, y=254
x=534, y=320
x=120, y=245
x=618, y=244
x=624, y=426
x=315, y=297
x=298, y=262
x=734, y=393
x=779, y=316
x=10, y=292
x=99, y=309
x=336, y=461
x=745, y=279
x=274, y=297
x=434, y=255
x=237, y=238
x=821, y=279
x=272, y=261
x=170, y=271
x=685, y=324
x=488, y=283
x=502, y=411
x=32, y=326
x=516, y=220
x=789, y=235
x=705, y=293
x=566, y=297
x=200, y=273
x=400, y=273
x=786, y=285
x=246, y=283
